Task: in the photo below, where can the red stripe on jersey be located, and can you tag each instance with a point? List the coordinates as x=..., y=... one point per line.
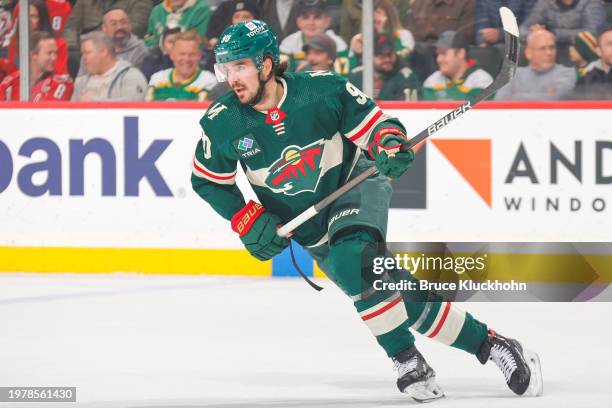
x=383, y=309
x=441, y=322
x=366, y=127
x=200, y=169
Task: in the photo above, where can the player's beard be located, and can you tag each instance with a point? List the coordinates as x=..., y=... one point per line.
x=261, y=90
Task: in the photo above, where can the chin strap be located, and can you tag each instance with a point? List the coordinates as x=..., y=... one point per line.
x=260, y=90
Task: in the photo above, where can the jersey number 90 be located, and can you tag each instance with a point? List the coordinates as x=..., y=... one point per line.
x=360, y=97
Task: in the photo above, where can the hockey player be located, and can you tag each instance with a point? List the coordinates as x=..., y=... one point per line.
x=298, y=137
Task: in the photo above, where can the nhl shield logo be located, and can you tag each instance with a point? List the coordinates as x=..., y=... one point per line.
x=297, y=170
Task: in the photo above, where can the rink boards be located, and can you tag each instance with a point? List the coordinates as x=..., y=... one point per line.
x=107, y=188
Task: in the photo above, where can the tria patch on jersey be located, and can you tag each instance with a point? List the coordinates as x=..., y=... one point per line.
x=247, y=146
x=297, y=170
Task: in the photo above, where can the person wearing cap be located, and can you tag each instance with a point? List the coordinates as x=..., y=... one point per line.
x=188, y=14
x=583, y=52
x=320, y=54
x=597, y=83
x=229, y=13
x=116, y=24
x=458, y=77
x=312, y=20
x=393, y=79
x=159, y=57
x=543, y=78
x=186, y=81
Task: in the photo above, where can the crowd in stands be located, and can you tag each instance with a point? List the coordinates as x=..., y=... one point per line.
x=163, y=50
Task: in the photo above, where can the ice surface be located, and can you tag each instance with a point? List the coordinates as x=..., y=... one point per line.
x=182, y=341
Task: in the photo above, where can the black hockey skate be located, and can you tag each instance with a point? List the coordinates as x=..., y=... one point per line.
x=520, y=367
x=415, y=377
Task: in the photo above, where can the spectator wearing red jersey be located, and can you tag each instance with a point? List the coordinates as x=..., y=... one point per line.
x=39, y=21
x=46, y=85
x=58, y=10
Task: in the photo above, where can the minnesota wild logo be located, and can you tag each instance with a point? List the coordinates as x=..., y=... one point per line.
x=297, y=170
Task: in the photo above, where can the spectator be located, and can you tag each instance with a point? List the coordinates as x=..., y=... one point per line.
x=597, y=83
x=393, y=79
x=320, y=53
x=128, y=47
x=386, y=20
x=46, y=86
x=565, y=18
x=350, y=16
x=229, y=13
x=59, y=12
x=159, y=57
x=312, y=20
x=489, y=29
x=543, y=79
x=459, y=77
x=429, y=18
x=280, y=15
x=188, y=14
x=186, y=81
x=6, y=28
x=39, y=21
x=584, y=51
x=87, y=16
x=107, y=78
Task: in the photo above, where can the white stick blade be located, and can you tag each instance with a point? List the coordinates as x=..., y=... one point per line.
x=509, y=21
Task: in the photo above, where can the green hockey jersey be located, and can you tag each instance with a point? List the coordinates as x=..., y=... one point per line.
x=293, y=155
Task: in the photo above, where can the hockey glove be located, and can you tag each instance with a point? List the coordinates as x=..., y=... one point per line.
x=257, y=230
x=385, y=150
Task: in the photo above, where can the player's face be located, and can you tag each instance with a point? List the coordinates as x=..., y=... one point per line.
x=541, y=51
x=449, y=61
x=242, y=15
x=243, y=76
x=385, y=62
x=34, y=19
x=604, y=50
x=318, y=60
x=117, y=26
x=186, y=57
x=312, y=23
x=46, y=56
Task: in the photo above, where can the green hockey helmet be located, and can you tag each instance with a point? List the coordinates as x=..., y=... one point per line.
x=249, y=39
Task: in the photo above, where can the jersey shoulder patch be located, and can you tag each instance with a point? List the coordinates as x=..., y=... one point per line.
x=160, y=78
x=219, y=118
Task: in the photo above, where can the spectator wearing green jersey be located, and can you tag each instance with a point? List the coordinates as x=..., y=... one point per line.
x=393, y=79
x=458, y=77
x=188, y=14
x=185, y=81
x=313, y=19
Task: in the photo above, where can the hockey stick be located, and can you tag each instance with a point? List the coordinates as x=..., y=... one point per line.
x=508, y=69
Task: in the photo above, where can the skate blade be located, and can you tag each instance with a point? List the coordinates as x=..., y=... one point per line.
x=425, y=391
x=536, y=383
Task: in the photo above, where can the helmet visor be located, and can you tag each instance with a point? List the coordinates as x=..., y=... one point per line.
x=235, y=70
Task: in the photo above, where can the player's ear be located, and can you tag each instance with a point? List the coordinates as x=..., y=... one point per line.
x=267, y=67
